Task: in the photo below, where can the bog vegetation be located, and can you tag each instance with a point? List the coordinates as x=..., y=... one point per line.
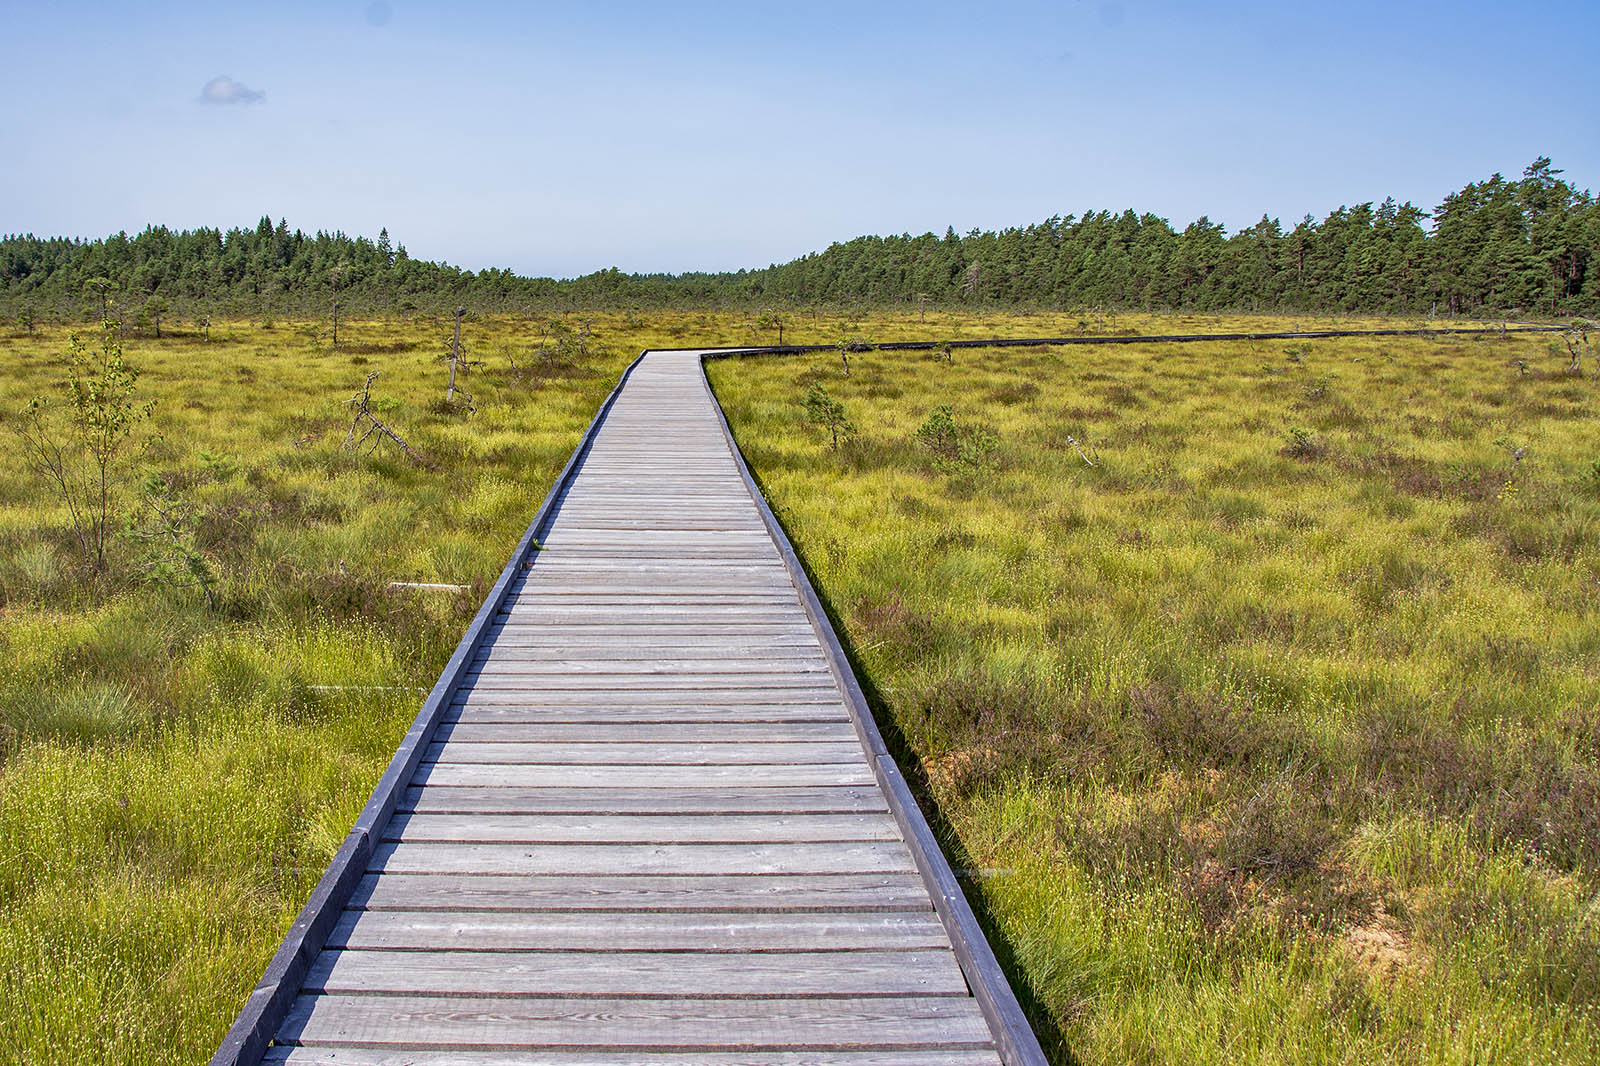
x=202, y=682
x=1257, y=683
x=1260, y=676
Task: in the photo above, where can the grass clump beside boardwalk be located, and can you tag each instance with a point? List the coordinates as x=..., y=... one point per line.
x=1261, y=680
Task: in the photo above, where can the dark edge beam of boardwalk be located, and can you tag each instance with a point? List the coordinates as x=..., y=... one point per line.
x=1014, y=1037
x=246, y=1042
x=1132, y=338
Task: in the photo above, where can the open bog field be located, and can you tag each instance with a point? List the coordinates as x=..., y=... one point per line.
x=1277, y=725
x=1274, y=734
x=174, y=776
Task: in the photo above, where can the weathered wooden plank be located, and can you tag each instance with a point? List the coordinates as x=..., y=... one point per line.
x=685, y=682
x=636, y=973
x=503, y=665
x=645, y=514
x=839, y=731
x=704, y=629
x=562, y=588
x=682, y=540
x=659, y=621
x=447, y=799
x=628, y=776
x=645, y=688
x=642, y=698
x=644, y=550
x=653, y=518
x=526, y=711
x=647, y=506
x=347, y=1056
x=466, y=1024
x=623, y=752
x=662, y=828
x=597, y=520
x=615, y=650
x=494, y=893
x=598, y=483
x=660, y=674
x=690, y=613
x=563, y=592
x=642, y=639
x=648, y=931
x=698, y=859
x=545, y=562
x=625, y=575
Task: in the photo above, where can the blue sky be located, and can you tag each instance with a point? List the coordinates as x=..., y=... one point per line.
x=559, y=138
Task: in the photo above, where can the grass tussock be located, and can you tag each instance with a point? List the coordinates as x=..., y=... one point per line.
x=1261, y=680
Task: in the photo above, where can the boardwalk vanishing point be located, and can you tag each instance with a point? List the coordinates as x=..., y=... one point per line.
x=645, y=816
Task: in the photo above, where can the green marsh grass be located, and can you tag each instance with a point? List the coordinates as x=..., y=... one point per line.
x=1262, y=680
x=173, y=780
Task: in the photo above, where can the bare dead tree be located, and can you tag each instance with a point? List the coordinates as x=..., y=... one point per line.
x=1577, y=341
x=335, y=276
x=456, y=356
x=365, y=426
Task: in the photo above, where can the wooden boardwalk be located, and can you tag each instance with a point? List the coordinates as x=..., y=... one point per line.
x=648, y=825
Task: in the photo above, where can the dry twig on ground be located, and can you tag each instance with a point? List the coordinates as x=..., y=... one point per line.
x=370, y=426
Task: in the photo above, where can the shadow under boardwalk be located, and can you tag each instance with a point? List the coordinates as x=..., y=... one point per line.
x=645, y=828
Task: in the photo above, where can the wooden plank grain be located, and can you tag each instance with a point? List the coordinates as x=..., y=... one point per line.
x=288, y=1055
x=510, y=709
x=723, y=799
x=746, y=975
x=397, y=930
x=837, y=730
x=563, y=753
x=620, y=859
x=646, y=700
x=631, y=776
x=466, y=1023
x=663, y=828
x=497, y=663
x=704, y=893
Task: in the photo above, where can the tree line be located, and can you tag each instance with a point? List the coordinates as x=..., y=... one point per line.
x=1529, y=245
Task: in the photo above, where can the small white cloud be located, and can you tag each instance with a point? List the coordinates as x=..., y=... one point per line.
x=224, y=90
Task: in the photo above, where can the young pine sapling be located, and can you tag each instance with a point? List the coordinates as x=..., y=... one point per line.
x=167, y=524
x=828, y=414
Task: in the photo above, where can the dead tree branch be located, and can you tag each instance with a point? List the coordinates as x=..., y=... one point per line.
x=365, y=426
